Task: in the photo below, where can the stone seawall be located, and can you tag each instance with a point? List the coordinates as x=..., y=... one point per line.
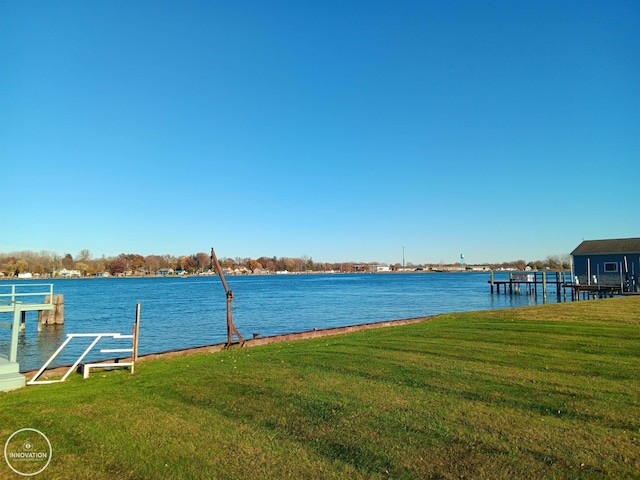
x=253, y=342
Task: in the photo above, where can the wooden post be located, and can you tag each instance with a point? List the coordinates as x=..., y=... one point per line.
x=136, y=337
x=535, y=283
x=54, y=316
x=491, y=280
x=58, y=309
x=23, y=321
x=544, y=286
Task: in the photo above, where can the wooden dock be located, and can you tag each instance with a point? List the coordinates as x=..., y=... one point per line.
x=531, y=282
x=595, y=291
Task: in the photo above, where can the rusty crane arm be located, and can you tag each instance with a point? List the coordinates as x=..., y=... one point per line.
x=231, y=329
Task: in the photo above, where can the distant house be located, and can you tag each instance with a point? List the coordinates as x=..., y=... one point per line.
x=607, y=262
x=380, y=268
x=165, y=271
x=69, y=273
x=479, y=268
x=102, y=274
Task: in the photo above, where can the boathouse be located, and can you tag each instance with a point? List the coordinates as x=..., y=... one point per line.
x=607, y=262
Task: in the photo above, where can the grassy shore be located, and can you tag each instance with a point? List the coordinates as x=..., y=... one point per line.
x=538, y=392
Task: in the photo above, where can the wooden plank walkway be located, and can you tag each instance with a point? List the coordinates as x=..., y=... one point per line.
x=594, y=291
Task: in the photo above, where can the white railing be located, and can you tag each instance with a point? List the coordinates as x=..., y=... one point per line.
x=133, y=350
x=97, y=338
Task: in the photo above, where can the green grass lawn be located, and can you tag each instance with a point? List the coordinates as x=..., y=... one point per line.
x=539, y=392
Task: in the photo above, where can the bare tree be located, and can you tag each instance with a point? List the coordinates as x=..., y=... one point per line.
x=83, y=256
x=203, y=261
x=153, y=263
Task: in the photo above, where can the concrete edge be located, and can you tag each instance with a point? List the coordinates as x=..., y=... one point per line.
x=253, y=342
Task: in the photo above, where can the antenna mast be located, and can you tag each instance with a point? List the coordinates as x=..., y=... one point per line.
x=231, y=329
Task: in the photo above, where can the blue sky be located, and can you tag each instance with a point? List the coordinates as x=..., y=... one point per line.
x=339, y=130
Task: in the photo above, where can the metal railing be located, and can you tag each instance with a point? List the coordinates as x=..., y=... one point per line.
x=132, y=350
x=14, y=303
x=96, y=338
x=7, y=299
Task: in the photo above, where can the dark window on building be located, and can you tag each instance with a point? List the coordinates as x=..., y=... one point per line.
x=610, y=267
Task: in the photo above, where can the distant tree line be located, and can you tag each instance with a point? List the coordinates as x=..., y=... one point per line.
x=46, y=263
x=49, y=264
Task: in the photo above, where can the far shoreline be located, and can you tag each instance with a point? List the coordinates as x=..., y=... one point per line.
x=270, y=274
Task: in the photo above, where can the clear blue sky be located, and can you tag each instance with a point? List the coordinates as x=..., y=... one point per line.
x=340, y=130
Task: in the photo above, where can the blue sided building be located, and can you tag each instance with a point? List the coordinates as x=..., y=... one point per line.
x=614, y=262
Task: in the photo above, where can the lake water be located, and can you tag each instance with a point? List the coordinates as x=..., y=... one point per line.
x=188, y=312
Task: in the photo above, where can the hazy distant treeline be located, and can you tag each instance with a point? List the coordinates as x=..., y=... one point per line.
x=46, y=263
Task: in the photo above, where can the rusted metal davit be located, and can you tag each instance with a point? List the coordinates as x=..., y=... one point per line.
x=231, y=329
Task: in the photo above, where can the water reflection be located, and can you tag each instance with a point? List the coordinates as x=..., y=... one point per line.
x=34, y=348
x=48, y=340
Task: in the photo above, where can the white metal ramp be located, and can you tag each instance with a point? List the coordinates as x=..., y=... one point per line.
x=96, y=338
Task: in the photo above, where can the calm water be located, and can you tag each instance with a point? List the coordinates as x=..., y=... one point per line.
x=188, y=312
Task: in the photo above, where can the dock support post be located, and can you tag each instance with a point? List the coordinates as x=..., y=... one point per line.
x=15, y=329
x=544, y=286
x=491, y=280
x=510, y=284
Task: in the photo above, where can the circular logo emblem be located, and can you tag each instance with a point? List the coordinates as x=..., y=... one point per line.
x=28, y=452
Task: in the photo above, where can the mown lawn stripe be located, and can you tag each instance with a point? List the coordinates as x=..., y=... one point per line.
x=537, y=392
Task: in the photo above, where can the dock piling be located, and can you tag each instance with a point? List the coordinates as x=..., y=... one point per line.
x=54, y=316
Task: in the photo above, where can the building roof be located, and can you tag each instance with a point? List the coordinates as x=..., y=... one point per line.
x=618, y=245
